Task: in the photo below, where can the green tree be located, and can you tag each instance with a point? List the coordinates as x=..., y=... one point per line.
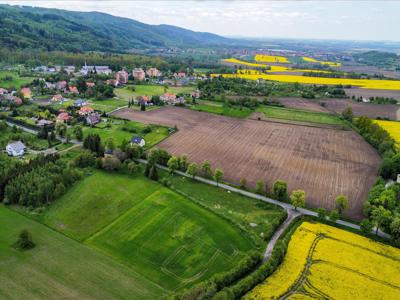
x=322, y=213
x=173, y=164
x=259, y=187
x=395, y=229
x=280, y=190
x=24, y=241
x=218, y=175
x=192, y=170
x=110, y=144
x=78, y=132
x=92, y=142
x=380, y=216
x=206, y=169
x=366, y=226
x=348, y=114
x=334, y=215
x=342, y=203
x=183, y=164
x=61, y=128
x=298, y=198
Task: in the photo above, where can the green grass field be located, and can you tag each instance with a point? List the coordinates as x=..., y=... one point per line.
x=159, y=233
x=107, y=105
x=150, y=90
x=61, y=268
x=30, y=140
x=241, y=210
x=300, y=115
x=117, y=133
x=221, y=109
x=15, y=82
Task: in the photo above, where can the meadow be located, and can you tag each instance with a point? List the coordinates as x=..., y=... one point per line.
x=7, y=135
x=300, y=115
x=61, y=268
x=107, y=105
x=10, y=79
x=157, y=232
x=330, y=263
x=126, y=93
x=362, y=83
x=392, y=127
x=221, y=109
x=119, y=130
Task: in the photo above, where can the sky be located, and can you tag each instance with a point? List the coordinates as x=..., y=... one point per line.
x=324, y=19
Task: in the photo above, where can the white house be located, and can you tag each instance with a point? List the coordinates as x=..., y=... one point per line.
x=137, y=140
x=16, y=149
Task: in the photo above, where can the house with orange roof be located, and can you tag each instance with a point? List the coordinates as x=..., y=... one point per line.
x=63, y=117
x=73, y=90
x=90, y=84
x=85, y=110
x=57, y=98
x=26, y=92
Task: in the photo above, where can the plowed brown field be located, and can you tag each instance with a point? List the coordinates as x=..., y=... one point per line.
x=323, y=162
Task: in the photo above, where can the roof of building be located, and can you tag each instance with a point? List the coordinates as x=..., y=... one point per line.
x=85, y=110
x=44, y=122
x=17, y=146
x=80, y=102
x=63, y=116
x=136, y=139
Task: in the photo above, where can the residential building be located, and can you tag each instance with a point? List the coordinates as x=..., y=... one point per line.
x=73, y=90
x=90, y=84
x=44, y=122
x=102, y=70
x=26, y=92
x=49, y=85
x=138, y=74
x=85, y=110
x=195, y=94
x=137, y=140
x=61, y=85
x=113, y=82
x=3, y=91
x=122, y=77
x=16, y=149
x=180, y=74
x=57, y=98
x=172, y=99
x=142, y=100
x=93, y=118
x=153, y=72
x=80, y=103
x=63, y=117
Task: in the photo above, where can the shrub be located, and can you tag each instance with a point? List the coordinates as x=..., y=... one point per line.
x=24, y=241
x=280, y=190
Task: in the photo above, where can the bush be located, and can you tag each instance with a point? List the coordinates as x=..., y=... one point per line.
x=85, y=159
x=111, y=163
x=280, y=190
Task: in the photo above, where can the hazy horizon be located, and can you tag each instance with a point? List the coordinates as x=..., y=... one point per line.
x=319, y=20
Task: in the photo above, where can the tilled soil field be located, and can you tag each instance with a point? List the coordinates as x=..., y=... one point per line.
x=323, y=162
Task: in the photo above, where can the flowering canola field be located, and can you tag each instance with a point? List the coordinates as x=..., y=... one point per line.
x=330, y=263
x=328, y=63
x=271, y=59
x=362, y=83
x=392, y=127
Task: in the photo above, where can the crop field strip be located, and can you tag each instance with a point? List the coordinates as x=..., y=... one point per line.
x=159, y=234
x=318, y=273
x=323, y=162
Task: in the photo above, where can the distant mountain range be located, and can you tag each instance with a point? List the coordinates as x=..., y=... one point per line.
x=23, y=27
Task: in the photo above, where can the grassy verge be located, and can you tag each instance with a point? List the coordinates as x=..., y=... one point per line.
x=300, y=115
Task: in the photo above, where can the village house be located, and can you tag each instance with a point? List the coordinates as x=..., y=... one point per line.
x=90, y=84
x=80, y=103
x=73, y=90
x=16, y=149
x=85, y=110
x=142, y=100
x=137, y=140
x=138, y=74
x=180, y=74
x=195, y=94
x=63, y=117
x=61, y=85
x=153, y=72
x=172, y=99
x=112, y=82
x=93, y=119
x=122, y=77
x=57, y=98
x=3, y=91
x=50, y=86
x=44, y=123
x=26, y=92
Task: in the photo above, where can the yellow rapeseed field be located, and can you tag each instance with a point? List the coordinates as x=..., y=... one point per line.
x=244, y=63
x=392, y=127
x=362, y=83
x=330, y=263
x=328, y=63
x=271, y=59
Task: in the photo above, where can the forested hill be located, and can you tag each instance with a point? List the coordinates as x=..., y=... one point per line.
x=23, y=27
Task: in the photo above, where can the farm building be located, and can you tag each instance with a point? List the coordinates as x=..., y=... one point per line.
x=137, y=140
x=16, y=149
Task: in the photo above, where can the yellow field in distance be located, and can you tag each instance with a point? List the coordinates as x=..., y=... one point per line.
x=362, y=83
x=244, y=63
x=328, y=63
x=392, y=127
x=271, y=59
x=324, y=262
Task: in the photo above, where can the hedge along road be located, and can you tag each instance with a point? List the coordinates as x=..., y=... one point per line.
x=292, y=213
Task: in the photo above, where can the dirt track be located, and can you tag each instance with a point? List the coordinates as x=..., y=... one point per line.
x=323, y=162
